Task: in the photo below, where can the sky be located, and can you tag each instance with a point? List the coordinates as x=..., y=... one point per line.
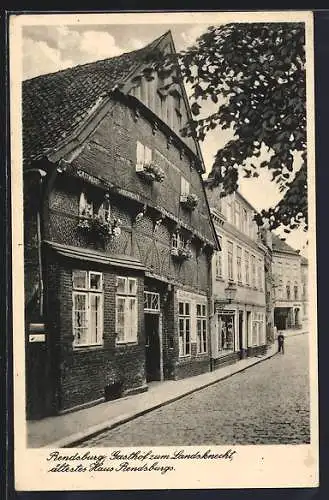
x=50, y=48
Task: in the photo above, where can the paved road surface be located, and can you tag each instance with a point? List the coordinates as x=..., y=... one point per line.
x=266, y=404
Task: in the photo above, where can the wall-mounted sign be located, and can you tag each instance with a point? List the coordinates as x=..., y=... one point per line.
x=37, y=337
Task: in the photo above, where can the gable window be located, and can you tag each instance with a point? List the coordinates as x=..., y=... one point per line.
x=184, y=322
x=239, y=263
x=201, y=328
x=143, y=156
x=230, y=260
x=87, y=311
x=184, y=188
x=126, y=309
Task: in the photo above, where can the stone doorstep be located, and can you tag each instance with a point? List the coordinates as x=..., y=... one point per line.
x=188, y=386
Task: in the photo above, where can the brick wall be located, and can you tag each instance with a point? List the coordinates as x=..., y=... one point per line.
x=84, y=372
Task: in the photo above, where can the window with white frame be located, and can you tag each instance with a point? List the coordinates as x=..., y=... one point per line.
x=237, y=209
x=178, y=241
x=218, y=260
x=253, y=271
x=184, y=325
x=201, y=328
x=126, y=309
x=239, y=263
x=105, y=210
x=184, y=187
x=86, y=206
x=230, y=260
x=258, y=329
x=245, y=221
x=247, y=264
x=260, y=284
x=143, y=155
x=87, y=311
x=225, y=323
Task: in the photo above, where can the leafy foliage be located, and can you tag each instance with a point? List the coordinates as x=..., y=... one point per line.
x=254, y=75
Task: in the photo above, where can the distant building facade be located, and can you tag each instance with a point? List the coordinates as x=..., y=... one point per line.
x=304, y=278
x=242, y=325
x=287, y=271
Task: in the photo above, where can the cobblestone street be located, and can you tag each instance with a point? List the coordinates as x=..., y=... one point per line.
x=266, y=404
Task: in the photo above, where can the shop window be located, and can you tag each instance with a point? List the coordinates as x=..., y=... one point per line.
x=225, y=332
x=258, y=329
x=201, y=328
x=126, y=309
x=87, y=313
x=184, y=322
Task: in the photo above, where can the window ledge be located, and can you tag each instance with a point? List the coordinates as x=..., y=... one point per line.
x=87, y=347
x=126, y=342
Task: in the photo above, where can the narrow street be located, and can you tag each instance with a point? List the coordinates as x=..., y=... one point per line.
x=265, y=404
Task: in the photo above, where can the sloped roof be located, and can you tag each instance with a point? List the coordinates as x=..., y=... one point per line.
x=279, y=245
x=54, y=104
x=304, y=261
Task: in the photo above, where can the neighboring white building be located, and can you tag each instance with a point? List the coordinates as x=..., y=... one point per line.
x=288, y=285
x=238, y=327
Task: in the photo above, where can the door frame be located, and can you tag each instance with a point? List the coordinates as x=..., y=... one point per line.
x=160, y=321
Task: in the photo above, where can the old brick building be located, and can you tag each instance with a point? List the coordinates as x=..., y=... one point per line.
x=118, y=234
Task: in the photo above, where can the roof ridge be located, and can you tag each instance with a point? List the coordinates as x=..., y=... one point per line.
x=91, y=63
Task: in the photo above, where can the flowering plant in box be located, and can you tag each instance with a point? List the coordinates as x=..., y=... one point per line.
x=153, y=172
x=100, y=226
x=190, y=201
x=181, y=253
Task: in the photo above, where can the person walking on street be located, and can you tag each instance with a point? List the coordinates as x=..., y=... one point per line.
x=281, y=343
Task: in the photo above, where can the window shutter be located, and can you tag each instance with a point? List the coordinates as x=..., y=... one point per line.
x=148, y=155
x=140, y=157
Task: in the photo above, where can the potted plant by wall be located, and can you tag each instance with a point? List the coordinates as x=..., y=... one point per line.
x=189, y=201
x=152, y=172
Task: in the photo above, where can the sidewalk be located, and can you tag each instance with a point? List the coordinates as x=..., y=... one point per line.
x=72, y=428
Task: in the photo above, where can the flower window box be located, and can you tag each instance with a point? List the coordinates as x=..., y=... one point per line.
x=181, y=253
x=98, y=226
x=151, y=172
x=189, y=201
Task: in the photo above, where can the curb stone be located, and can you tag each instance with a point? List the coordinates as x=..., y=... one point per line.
x=80, y=437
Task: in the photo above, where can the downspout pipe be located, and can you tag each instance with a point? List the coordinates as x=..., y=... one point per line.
x=42, y=174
